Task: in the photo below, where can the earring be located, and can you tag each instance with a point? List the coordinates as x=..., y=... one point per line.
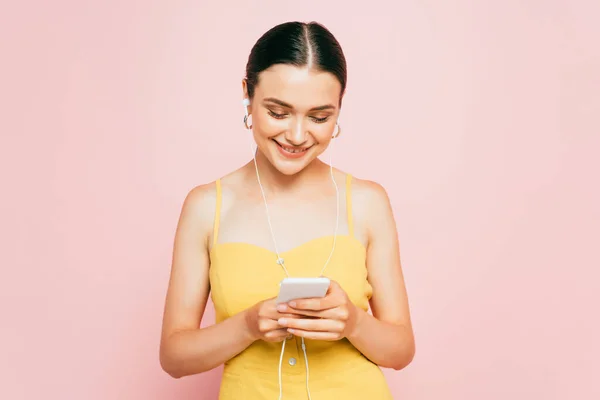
x=338, y=131
x=246, y=121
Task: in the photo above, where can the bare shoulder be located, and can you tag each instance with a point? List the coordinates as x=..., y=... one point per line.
x=197, y=212
x=199, y=198
x=369, y=193
x=371, y=208
x=200, y=204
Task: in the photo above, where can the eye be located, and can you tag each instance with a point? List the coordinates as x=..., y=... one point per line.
x=275, y=115
x=320, y=120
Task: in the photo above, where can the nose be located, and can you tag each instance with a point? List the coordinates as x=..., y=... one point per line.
x=296, y=135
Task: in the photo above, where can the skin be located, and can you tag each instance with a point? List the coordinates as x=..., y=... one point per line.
x=306, y=121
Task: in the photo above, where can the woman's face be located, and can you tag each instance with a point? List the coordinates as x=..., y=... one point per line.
x=294, y=112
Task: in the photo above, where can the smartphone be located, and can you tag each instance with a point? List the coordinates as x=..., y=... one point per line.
x=301, y=288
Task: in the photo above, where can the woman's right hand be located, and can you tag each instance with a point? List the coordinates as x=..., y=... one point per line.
x=261, y=322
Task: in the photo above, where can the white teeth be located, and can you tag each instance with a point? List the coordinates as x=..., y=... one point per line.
x=289, y=150
x=292, y=150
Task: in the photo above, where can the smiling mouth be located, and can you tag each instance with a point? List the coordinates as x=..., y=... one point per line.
x=292, y=149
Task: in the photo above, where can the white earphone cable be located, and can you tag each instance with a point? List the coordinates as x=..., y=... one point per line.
x=306, y=363
x=280, y=363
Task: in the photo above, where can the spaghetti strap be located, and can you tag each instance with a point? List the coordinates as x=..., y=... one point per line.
x=217, y=212
x=349, y=204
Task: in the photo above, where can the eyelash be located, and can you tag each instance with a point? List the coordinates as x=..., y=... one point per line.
x=282, y=116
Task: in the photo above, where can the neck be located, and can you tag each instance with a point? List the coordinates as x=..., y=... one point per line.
x=273, y=180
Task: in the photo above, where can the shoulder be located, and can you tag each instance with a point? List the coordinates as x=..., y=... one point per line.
x=201, y=200
x=200, y=195
x=372, y=208
x=369, y=194
x=199, y=205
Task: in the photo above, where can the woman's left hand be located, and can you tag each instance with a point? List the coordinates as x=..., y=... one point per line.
x=332, y=317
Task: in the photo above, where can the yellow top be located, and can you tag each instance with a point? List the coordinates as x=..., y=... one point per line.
x=243, y=274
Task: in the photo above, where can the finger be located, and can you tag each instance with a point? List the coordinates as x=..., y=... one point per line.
x=266, y=325
x=277, y=311
x=308, y=313
x=322, y=325
x=270, y=324
x=275, y=315
x=317, y=303
x=315, y=335
x=334, y=297
x=333, y=286
x=277, y=335
x=289, y=311
x=338, y=313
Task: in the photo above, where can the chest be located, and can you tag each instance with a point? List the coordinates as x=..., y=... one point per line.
x=285, y=224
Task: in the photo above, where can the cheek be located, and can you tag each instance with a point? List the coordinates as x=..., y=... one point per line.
x=323, y=132
x=267, y=126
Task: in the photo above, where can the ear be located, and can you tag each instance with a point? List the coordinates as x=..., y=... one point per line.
x=244, y=89
x=341, y=99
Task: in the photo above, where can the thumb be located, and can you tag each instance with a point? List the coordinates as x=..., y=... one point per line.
x=333, y=286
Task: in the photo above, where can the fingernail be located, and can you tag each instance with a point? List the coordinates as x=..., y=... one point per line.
x=282, y=321
x=281, y=307
x=292, y=304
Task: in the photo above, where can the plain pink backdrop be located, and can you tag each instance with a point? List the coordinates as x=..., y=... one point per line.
x=480, y=118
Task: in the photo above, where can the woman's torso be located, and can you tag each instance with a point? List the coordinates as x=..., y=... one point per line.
x=245, y=272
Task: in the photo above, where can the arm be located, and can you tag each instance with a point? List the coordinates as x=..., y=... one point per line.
x=386, y=337
x=184, y=348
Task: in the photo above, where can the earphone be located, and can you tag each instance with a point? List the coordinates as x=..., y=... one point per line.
x=246, y=103
x=280, y=260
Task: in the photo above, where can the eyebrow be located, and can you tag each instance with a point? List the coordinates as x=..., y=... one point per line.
x=284, y=104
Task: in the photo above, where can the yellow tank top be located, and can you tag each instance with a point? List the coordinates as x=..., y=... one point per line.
x=243, y=274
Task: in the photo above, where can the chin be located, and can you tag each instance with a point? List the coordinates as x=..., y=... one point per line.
x=290, y=171
x=288, y=167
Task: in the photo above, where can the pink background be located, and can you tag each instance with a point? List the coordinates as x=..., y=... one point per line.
x=480, y=118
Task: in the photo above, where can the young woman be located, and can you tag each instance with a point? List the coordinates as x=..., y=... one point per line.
x=286, y=213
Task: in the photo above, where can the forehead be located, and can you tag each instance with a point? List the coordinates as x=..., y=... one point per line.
x=299, y=86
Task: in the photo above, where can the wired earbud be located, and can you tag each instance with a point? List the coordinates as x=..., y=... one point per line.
x=337, y=131
x=246, y=103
